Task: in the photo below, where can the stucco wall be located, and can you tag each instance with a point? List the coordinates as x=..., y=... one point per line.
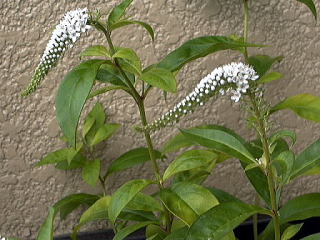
x=28, y=129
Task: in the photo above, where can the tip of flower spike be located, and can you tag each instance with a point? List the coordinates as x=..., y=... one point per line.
x=231, y=79
x=66, y=33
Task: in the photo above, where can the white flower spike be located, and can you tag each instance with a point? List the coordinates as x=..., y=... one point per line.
x=233, y=78
x=66, y=33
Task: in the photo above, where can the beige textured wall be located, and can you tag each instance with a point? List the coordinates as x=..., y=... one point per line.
x=28, y=129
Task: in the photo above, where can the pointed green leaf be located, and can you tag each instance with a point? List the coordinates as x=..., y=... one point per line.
x=64, y=206
x=221, y=219
x=299, y=208
x=307, y=160
x=55, y=157
x=263, y=63
x=161, y=78
x=310, y=4
x=118, y=12
x=98, y=211
x=221, y=141
x=110, y=74
x=123, y=23
x=131, y=158
x=291, y=231
x=91, y=172
x=312, y=237
x=144, y=202
x=189, y=160
x=180, y=234
x=176, y=143
x=130, y=229
x=46, y=229
x=124, y=195
x=78, y=161
x=72, y=95
x=197, y=197
x=104, y=132
x=98, y=51
x=270, y=77
x=178, y=207
x=198, y=48
x=107, y=89
x=305, y=105
x=283, y=134
x=131, y=61
x=283, y=164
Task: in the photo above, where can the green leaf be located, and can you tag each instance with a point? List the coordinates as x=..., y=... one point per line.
x=104, y=132
x=180, y=234
x=136, y=215
x=263, y=63
x=161, y=78
x=56, y=157
x=196, y=175
x=221, y=141
x=123, y=23
x=131, y=61
x=299, y=208
x=222, y=196
x=46, y=229
x=283, y=164
x=91, y=172
x=305, y=105
x=189, y=160
x=176, y=143
x=221, y=220
x=130, y=229
x=98, y=211
x=124, y=195
x=98, y=51
x=118, y=12
x=198, y=48
x=72, y=94
x=312, y=237
x=178, y=207
x=282, y=134
x=131, y=158
x=107, y=89
x=310, y=4
x=270, y=77
x=291, y=231
x=144, y=202
x=259, y=181
x=78, y=161
x=155, y=232
x=197, y=197
x=307, y=160
x=64, y=206
x=110, y=74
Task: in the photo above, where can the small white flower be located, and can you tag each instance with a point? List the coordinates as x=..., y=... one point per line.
x=65, y=34
x=230, y=79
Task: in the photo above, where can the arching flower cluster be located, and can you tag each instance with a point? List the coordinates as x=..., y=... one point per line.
x=233, y=79
x=66, y=33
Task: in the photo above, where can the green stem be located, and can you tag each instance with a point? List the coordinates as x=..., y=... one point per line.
x=140, y=102
x=246, y=26
x=268, y=168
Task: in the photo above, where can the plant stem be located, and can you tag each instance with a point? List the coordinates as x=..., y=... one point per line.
x=140, y=102
x=246, y=26
x=261, y=128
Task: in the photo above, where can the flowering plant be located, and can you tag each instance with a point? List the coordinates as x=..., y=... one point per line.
x=181, y=208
